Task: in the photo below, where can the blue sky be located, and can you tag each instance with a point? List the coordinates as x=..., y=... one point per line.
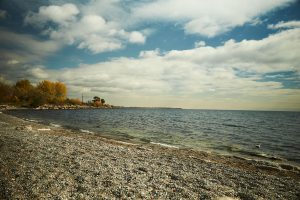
x=192, y=54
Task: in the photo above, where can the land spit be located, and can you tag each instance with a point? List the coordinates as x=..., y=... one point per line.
x=44, y=162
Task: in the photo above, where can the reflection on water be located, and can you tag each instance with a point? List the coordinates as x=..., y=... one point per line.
x=236, y=132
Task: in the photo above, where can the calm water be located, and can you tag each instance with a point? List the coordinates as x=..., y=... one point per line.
x=234, y=132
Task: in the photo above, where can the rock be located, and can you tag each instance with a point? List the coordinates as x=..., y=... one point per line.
x=287, y=167
x=79, y=179
x=269, y=168
x=143, y=169
x=174, y=177
x=80, y=189
x=246, y=196
x=28, y=128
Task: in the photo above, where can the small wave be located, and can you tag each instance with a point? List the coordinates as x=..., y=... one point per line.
x=86, y=131
x=233, y=125
x=234, y=148
x=254, y=153
x=55, y=125
x=186, y=131
x=270, y=157
x=164, y=145
x=31, y=120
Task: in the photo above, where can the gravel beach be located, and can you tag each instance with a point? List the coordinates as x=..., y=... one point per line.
x=44, y=162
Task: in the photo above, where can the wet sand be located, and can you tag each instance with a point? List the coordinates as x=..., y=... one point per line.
x=43, y=162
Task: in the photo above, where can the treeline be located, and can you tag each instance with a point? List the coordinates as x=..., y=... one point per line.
x=23, y=93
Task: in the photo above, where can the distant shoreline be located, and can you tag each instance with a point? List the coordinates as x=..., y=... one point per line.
x=3, y=106
x=58, y=107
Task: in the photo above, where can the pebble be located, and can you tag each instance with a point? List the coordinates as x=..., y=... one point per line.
x=62, y=165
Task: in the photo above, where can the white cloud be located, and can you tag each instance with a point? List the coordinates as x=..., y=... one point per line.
x=147, y=54
x=3, y=14
x=38, y=72
x=58, y=14
x=203, y=77
x=109, y=25
x=97, y=44
x=137, y=37
x=87, y=27
x=92, y=23
x=208, y=18
x=199, y=44
x=12, y=62
x=285, y=25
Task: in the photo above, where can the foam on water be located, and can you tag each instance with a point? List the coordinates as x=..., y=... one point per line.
x=164, y=145
x=86, y=131
x=55, y=125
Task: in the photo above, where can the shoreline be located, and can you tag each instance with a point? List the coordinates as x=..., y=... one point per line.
x=34, y=155
x=243, y=154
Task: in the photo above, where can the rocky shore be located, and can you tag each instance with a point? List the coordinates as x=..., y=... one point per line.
x=43, y=162
x=72, y=107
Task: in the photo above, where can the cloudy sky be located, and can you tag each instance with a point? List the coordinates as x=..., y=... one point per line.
x=217, y=54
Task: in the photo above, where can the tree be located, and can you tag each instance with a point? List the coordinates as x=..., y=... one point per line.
x=60, y=92
x=103, y=101
x=22, y=91
x=48, y=88
x=96, y=99
x=24, y=85
x=37, y=98
x=55, y=92
x=6, y=92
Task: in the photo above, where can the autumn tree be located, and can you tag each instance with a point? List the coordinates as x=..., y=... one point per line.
x=60, y=91
x=48, y=88
x=37, y=98
x=25, y=94
x=24, y=85
x=22, y=90
x=6, y=92
x=55, y=92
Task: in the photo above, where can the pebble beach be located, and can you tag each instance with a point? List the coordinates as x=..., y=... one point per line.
x=38, y=161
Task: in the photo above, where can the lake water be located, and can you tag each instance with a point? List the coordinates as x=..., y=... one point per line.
x=232, y=132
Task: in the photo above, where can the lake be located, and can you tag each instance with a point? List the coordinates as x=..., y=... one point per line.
x=229, y=132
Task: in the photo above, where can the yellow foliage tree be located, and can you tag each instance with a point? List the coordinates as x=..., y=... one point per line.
x=22, y=91
x=24, y=85
x=47, y=87
x=55, y=91
x=60, y=91
x=5, y=92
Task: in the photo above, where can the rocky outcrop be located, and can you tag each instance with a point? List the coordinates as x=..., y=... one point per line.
x=69, y=107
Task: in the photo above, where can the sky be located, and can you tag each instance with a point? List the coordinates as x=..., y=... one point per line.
x=217, y=54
